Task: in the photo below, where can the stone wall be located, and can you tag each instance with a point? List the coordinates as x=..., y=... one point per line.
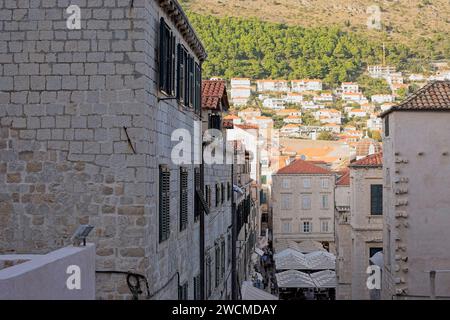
x=65, y=159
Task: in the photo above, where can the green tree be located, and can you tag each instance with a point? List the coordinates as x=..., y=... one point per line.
x=325, y=135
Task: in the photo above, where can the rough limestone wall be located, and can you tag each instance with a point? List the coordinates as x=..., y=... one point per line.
x=64, y=156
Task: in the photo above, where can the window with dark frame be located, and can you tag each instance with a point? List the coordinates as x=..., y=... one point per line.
x=198, y=88
x=166, y=59
x=222, y=192
x=181, y=73
x=217, y=194
x=164, y=203
x=183, y=198
x=228, y=191
x=376, y=199
x=197, y=205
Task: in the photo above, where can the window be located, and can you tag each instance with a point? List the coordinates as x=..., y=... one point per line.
x=307, y=183
x=197, y=284
x=386, y=126
x=374, y=250
x=181, y=73
x=307, y=226
x=217, y=265
x=306, y=202
x=166, y=59
x=286, y=183
x=214, y=121
x=187, y=78
x=286, y=202
x=183, y=198
x=286, y=227
x=222, y=193
x=208, y=276
x=164, y=203
x=198, y=88
x=228, y=190
x=325, y=225
x=183, y=292
x=217, y=194
x=222, y=256
x=324, y=201
x=208, y=195
x=197, y=205
x=376, y=199
x=324, y=183
x=191, y=81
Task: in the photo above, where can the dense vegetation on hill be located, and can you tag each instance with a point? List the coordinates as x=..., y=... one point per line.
x=252, y=48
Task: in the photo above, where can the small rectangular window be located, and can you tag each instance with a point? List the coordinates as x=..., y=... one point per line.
x=325, y=183
x=306, y=202
x=325, y=225
x=324, y=201
x=307, y=183
x=386, y=126
x=376, y=199
x=166, y=59
x=217, y=194
x=286, y=183
x=307, y=227
x=286, y=227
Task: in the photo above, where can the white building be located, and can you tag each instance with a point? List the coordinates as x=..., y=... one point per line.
x=303, y=204
x=240, y=91
x=382, y=98
x=293, y=119
x=294, y=98
x=274, y=103
x=357, y=113
x=354, y=97
x=380, y=71
x=349, y=87
x=416, y=195
x=374, y=123
x=328, y=116
x=306, y=85
x=272, y=86
x=324, y=97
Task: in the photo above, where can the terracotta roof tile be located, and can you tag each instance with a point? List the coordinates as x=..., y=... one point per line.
x=213, y=91
x=373, y=160
x=299, y=166
x=435, y=96
x=344, y=180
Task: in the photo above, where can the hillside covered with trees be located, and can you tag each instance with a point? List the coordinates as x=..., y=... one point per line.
x=252, y=48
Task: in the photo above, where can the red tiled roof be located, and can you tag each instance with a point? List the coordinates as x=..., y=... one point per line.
x=214, y=91
x=344, y=180
x=373, y=160
x=299, y=166
x=247, y=126
x=435, y=96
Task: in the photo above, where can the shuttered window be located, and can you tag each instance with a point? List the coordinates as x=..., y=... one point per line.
x=197, y=294
x=191, y=82
x=217, y=265
x=188, y=84
x=164, y=203
x=166, y=59
x=198, y=88
x=181, y=73
x=197, y=201
x=217, y=194
x=222, y=256
x=183, y=291
x=208, y=195
x=376, y=199
x=183, y=198
x=222, y=192
x=228, y=190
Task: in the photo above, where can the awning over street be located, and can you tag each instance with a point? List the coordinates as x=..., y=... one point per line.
x=296, y=279
x=249, y=292
x=295, y=260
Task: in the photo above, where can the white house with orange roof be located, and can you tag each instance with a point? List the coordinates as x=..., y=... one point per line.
x=356, y=97
x=288, y=112
x=293, y=119
x=294, y=98
x=233, y=119
x=274, y=103
x=328, y=116
x=324, y=97
x=310, y=105
x=306, y=85
x=249, y=113
x=349, y=87
x=272, y=86
x=333, y=127
x=357, y=113
x=240, y=91
x=382, y=98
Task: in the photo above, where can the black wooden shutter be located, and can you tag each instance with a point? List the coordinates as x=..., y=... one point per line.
x=172, y=64
x=217, y=195
x=222, y=252
x=198, y=88
x=183, y=198
x=181, y=76
x=191, y=82
x=164, y=203
x=196, y=185
x=222, y=195
x=376, y=199
x=187, y=79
